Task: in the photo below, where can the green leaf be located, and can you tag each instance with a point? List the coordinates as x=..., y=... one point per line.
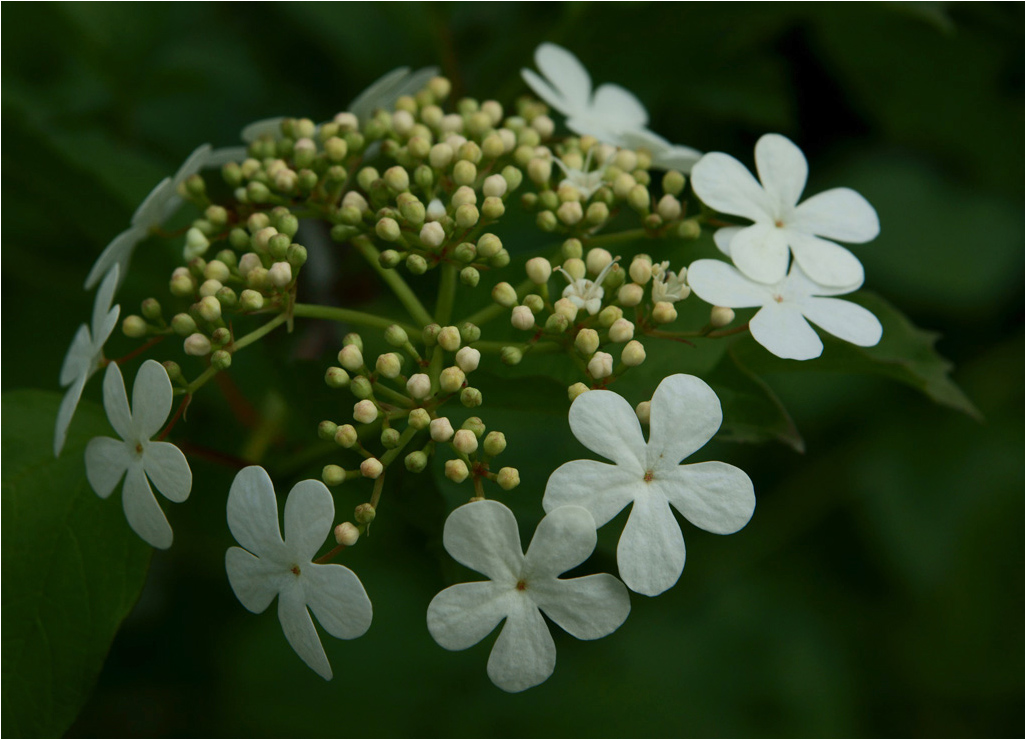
x=72, y=568
x=906, y=353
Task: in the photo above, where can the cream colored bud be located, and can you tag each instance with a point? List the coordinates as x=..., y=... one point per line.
x=609, y=315
x=217, y=270
x=721, y=316
x=621, y=331
x=465, y=441
x=441, y=155
x=494, y=186
x=622, y=185
x=565, y=307
x=669, y=208
x=452, y=123
x=432, y=234
x=347, y=534
x=626, y=160
x=575, y=268
x=280, y=275
x=134, y=326
x=508, y=478
x=539, y=170
x=456, y=470
x=522, y=318
x=663, y=312
x=644, y=412
x=505, y=295
x=262, y=237
x=350, y=357
x=353, y=199
x=403, y=122
x=641, y=269
x=195, y=243
x=248, y=262
x=467, y=359
x=209, y=308
x=539, y=270
x=389, y=364
x=365, y=411
x=420, y=418
x=209, y=288
x=600, y=365
x=345, y=436
x=544, y=125
x=449, y=338
x=464, y=173
x=371, y=468
x=419, y=386
x=598, y=259
x=441, y=429
x=587, y=341
x=576, y=390
x=435, y=211
x=630, y=294
x=197, y=345
x=633, y=353
x=451, y=379
x=388, y=229
x=570, y=213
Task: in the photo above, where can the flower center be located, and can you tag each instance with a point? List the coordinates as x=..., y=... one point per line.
x=779, y=223
x=295, y=570
x=778, y=298
x=521, y=585
x=649, y=475
x=138, y=448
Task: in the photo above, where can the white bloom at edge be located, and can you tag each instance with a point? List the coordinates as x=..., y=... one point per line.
x=483, y=535
x=612, y=114
x=584, y=293
x=782, y=323
x=781, y=225
x=85, y=354
x=270, y=566
x=714, y=496
x=156, y=208
x=135, y=456
x=668, y=286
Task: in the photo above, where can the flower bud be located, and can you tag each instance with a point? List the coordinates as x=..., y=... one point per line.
x=429, y=334
x=390, y=438
x=467, y=359
x=609, y=315
x=512, y=176
x=644, y=412
x=209, y=288
x=134, y=327
x=494, y=186
x=389, y=364
x=365, y=411
x=183, y=284
x=565, y=307
x=456, y=470
x=432, y=234
x=570, y=213
x=470, y=276
x=669, y=208
x=416, y=462
x=396, y=335
x=413, y=212
x=641, y=269
x=364, y=513
x=494, y=443
x=597, y=213
x=508, y=478
x=630, y=294
x=505, y=295
x=419, y=419
x=345, y=436
x=441, y=155
x=510, y=356
x=663, y=312
x=361, y=387
x=464, y=172
x=689, y=229
x=622, y=185
x=539, y=270
x=639, y=199
x=350, y=357
x=220, y=336
x=465, y=441
x=489, y=245
x=556, y=324
x=547, y=221
x=371, y=468
x=469, y=332
x=575, y=267
x=633, y=353
x=600, y=365
x=326, y=430
x=183, y=324
x=721, y=316
x=221, y=359
x=197, y=345
x=397, y=178
x=451, y=379
x=346, y=534
x=471, y=397
x=336, y=377
x=575, y=390
x=441, y=429
x=209, y=309
x=572, y=249
x=195, y=244
x=539, y=170
x=449, y=338
x=522, y=318
x=467, y=216
x=598, y=260
x=587, y=341
x=419, y=386
x=621, y=331
x=280, y=275
x=673, y=183
x=333, y=475
x=388, y=230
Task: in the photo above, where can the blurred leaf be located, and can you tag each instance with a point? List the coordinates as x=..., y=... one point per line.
x=905, y=353
x=72, y=569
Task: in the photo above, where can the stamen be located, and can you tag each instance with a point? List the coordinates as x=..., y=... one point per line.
x=648, y=476
x=521, y=585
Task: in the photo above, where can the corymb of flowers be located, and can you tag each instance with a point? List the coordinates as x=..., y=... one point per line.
x=621, y=272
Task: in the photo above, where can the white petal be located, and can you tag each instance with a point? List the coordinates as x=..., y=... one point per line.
x=723, y=236
x=798, y=286
x=264, y=127
x=681, y=158
x=102, y=324
x=412, y=84
x=721, y=284
x=651, y=550
x=254, y=581
x=195, y=162
x=725, y=184
x=783, y=171
x=546, y=92
x=115, y=402
x=151, y=210
x=464, y=614
x=151, y=399
x=118, y=252
x=588, y=608
x=600, y=488
x=567, y=75
x=606, y=424
x=783, y=330
x=840, y=214
x=524, y=655
x=565, y=538
x=66, y=411
x=309, y=517
x=167, y=467
x=106, y=460
x=299, y=628
x=620, y=107
x=220, y=157
x=843, y=319
x=825, y=262
x=79, y=358
x=713, y=496
x=760, y=252
x=685, y=415
x=142, y=510
x=483, y=535
x=337, y=599
x=253, y=514
x=364, y=104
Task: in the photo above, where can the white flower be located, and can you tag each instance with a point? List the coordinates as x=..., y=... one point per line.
x=668, y=286
x=781, y=325
x=483, y=535
x=270, y=566
x=714, y=496
x=612, y=114
x=85, y=353
x=760, y=250
x=157, y=207
x=135, y=456
x=585, y=182
x=584, y=293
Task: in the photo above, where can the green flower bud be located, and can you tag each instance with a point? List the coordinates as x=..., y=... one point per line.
x=587, y=341
x=232, y=174
x=361, y=387
x=610, y=315
x=505, y=295
x=469, y=332
x=278, y=246
x=547, y=221
x=416, y=462
x=556, y=324
x=397, y=178
x=183, y=324
x=451, y=379
x=673, y=182
x=469, y=151
x=429, y=335
x=513, y=177
x=720, y=316
x=456, y=470
x=364, y=513
x=492, y=147
x=413, y=212
x=326, y=430
x=336, y=377
x=508, y=478
x=389, y=365
x=251, y=300
x=467, y=216
x=424, y=177
x=364, y=411
x=257, y=192
x=633, y=353
x=493, y=208
x=419, y=147
x=475, y=425
x=396, y=335
x=221, y=360
x=465, y=252
x=220, y=336
x=388, y=230
x=365, y=177
x=351, y=355
x=500, y=260
x=134, y=327
x=151, y=309
x=534, y=302
x=197, y=345
x=572, y=249
x=333, y=475
x=689, y=229
x=664, y=313
x=639, y=199
x=390, y=259
x=226, y=297
x=239, y=239
x=529, y=201
x=511, y=356
x=174, y=371
x=390, y=438
x=416, y=264
x=465, y=441
x=346, y=436
x=488, y=245
x=494, y=443
x=449, y=338
x=296, y=255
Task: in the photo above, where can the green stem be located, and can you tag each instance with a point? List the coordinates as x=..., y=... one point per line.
x=494, y=311
x=346, y=316
x=622, y=236
x=446, y=294
x=238, y=344
x=394, y=281
x=540, y=348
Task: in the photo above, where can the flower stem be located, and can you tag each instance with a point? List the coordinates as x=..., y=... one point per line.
x=346, y=316
x=235, y=346
x=394, y=281
x=622, y=236
x=446, y=293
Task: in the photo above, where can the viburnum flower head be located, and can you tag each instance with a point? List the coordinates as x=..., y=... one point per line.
x=85, y=354
x=483, y=535
x=782, y=225
x=786, y=308
x=136, y=456
x=719, y=498
x=610, y=114
x=270, y=566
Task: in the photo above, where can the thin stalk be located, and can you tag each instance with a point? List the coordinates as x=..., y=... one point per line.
x=394, y=281
x=446, y=294
x=347, y=316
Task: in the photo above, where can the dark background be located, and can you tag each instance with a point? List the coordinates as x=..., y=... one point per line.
x=879, y=588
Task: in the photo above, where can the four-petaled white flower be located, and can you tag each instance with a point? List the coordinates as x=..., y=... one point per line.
x=585, y=181
x=668, y=286
x=719, y=498
x=781, y=225
x=270, y=566
x=782, y=323
x=382, y=94
x=135, y=456
x=612, y=114
x=584, y=293
x=483, y=536
x=157, y=207
x=84, y=355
